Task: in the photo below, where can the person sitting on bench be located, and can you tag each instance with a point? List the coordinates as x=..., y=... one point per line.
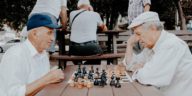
x=84, y=23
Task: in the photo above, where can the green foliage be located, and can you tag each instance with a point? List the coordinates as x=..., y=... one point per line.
x=14, y=13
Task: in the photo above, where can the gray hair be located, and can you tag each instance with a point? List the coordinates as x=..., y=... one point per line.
x=159, y=25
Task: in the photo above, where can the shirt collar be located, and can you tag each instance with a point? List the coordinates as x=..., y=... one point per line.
x=159, y=41
x=32, y=49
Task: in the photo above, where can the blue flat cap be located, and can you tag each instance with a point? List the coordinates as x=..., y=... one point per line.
x=40, y=20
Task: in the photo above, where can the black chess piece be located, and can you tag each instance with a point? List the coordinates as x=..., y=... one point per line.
x=92, y=69
x=84, y=70
x=76, y=77
x=117, y=85
x=79, y=69
x=103, y=81
x=112, y=83
x=90, y=75
x=97, y=72
x=96, y=82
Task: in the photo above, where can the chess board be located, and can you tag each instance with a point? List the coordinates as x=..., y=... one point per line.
x=124, y=76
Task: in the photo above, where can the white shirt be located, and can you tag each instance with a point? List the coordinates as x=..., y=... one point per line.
x=50, y=6
x=21, y=65
x=84, y=27
x=168, y=66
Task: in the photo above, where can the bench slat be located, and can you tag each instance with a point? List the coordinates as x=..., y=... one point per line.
x=92, y=57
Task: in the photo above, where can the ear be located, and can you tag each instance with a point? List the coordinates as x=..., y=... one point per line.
x=34, y=33
x=153, y=28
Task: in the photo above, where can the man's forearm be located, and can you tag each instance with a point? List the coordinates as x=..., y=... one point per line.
x=63, y=16
x=34, y=87
x=146, y=7
x=129, y=53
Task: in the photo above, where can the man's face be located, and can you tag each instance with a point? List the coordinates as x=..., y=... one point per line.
x=44, y=37
x=145, y=36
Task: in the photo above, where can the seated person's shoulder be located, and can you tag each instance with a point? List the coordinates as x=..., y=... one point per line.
x=95, y=13
x=74, y=12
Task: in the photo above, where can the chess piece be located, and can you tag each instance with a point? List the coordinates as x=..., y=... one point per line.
x=85, y=83
x=80, y=83
x=71, y=83
x=84, y=70
x=117, y=85
x=96, y=82
x=92, y=69
x=112, y=83
x=79, y=69
x=103, y=81
x=89, y=84
x=76, y=77
x=97, y=72
x=90, y=75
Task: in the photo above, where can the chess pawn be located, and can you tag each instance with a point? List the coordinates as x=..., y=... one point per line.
x=92, y=70
x=85, y=78
x=84, y=70
x=72, y=83
x=97, y=72
x=89, y=84
x=80, y=83
x=75, y=84
x=79, y=69
x=96, y=82
x=76, y=77
x=112, y=83
x=117, y=85
x=85, y=83
x=90, y=75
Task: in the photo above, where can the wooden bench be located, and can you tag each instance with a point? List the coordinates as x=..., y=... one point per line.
x=184, y=35
x=65, y=58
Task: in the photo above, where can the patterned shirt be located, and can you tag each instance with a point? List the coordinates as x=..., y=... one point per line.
x=135, y=8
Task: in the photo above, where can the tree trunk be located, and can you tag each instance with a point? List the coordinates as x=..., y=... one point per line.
x=182, y=17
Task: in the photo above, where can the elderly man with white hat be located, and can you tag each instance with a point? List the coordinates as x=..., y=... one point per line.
x=84, y=23
x=165, y=62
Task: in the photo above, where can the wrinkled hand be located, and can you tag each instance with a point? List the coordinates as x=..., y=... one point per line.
x=136, y=67
x=132, y=40
x=54, y=76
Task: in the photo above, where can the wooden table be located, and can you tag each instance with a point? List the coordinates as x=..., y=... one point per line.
x=127, y=89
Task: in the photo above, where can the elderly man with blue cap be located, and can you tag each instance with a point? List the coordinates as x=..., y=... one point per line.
x=165, y=62
x=25, y=68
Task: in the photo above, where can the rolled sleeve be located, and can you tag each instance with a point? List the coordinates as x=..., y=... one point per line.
x=160, y=70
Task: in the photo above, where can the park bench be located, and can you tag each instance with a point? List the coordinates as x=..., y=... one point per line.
x=65, y=58
x=184, y=35
x=121, y=47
